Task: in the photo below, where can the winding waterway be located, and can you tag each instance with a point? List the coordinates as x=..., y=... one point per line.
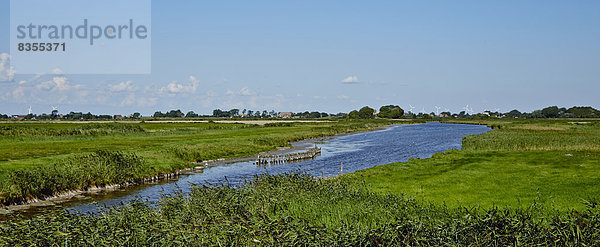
x=356, y=151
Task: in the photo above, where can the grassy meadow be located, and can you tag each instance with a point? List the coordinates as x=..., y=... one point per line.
x=555, y=163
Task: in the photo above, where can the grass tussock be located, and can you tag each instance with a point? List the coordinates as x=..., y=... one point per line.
x=305, y=212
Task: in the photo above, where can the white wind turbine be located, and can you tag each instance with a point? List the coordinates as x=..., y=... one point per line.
x=423, y=110
x=437, y=110
x=29, y=110
x=467, y=109
x=411, y=108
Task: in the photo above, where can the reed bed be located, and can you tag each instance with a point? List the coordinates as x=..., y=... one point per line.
x=98, y=169
x=299, y=210
x=545, y=135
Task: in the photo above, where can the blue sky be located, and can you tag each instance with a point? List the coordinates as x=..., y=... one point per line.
x=337, y=56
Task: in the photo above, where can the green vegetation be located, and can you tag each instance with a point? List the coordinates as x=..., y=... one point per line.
x=43, y=159
x=299, y=210
x=551, y=162
x=390, y=111
x=528, y=182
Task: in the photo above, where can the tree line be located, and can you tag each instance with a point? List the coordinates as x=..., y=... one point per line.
x=366, y=112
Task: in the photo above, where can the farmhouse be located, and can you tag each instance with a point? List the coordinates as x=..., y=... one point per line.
x=285, y=115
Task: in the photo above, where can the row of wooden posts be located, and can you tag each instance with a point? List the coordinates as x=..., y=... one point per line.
x=286, y=158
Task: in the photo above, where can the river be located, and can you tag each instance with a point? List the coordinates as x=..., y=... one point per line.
x=356, y=151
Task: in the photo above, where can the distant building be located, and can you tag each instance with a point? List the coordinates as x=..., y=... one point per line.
x=285, y=114
x=118, y=117
x=18, y=116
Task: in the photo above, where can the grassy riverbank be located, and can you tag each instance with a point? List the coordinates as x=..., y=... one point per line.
x=526, y=183
x=555, y=163
x=43, y=159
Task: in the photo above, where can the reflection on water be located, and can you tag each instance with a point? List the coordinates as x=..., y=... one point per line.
x=355, y=151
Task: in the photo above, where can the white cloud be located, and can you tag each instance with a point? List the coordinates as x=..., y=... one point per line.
x=123, y=86
x=175, y=88
x=58, y=83
x=343, y=97
x=18, y=92
x=350, y=80
x=246, y=92
x=7, y=72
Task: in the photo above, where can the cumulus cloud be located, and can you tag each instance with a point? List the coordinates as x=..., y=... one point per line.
x=350, y=80
x=123, y=86
x=7, y=72
x=174, y=87
x=58, y=83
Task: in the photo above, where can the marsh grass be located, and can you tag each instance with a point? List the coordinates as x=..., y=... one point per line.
x=92, y=129
x=306, y=212
x=98, y=169
x=551, y=162
x=42, y=159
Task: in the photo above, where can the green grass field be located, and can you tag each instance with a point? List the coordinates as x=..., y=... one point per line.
x=554, y=163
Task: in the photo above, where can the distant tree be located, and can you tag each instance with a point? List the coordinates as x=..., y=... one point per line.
x=234, y=112
x=136, y=115
x=158, y=114
x=220, y=113
x=583, y=112
x=250, y=112
x=366, y=112
x=191, y=114
x=354, y=114
x=175, y=113
x=88, y=116
x=550, y=112
x=537, y=114
x=314, y=114
x=390, y=111
x=514, y=113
